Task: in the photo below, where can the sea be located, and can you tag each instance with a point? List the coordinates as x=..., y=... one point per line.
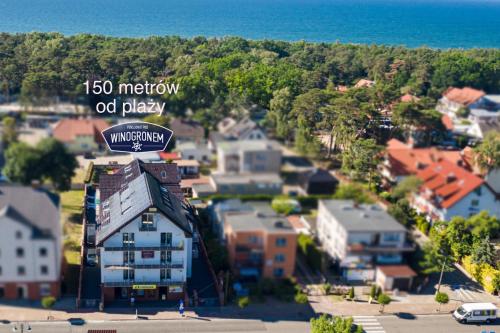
x=411, y=23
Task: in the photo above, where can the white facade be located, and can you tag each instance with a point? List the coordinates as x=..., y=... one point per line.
x=358, y=251
x=473, y=203
x=147, y=248
x=27, y=259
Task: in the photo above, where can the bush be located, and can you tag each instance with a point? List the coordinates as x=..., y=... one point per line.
x=284, y=206
x=327, y=288
x=373, y=291
x=312, y=254
x=243, y=302
x=327, y=323
x=300, y=298
x=351, y=294
x=48, y=302
x=442, y=298
x=383, y=300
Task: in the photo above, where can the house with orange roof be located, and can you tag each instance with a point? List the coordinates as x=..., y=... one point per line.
x=401, y=160
x=81, y=135
x=449, y=190
x=469, y=111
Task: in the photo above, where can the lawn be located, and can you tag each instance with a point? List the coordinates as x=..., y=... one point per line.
x=71, y=220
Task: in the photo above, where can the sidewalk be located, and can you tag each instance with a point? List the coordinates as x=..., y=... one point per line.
x=324, y=304
x=18, y=313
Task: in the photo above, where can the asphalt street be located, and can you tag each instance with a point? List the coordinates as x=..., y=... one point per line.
x=372, y=324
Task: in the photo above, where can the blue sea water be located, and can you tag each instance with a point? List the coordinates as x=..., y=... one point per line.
x=434, y=23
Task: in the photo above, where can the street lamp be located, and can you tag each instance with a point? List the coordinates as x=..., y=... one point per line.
x=22, y=327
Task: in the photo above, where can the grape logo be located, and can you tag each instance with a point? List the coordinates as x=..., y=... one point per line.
x=137, y=137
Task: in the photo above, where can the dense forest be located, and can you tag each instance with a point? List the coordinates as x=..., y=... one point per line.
x=296, y=81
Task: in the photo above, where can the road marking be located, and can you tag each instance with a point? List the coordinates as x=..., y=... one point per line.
x=370, y=324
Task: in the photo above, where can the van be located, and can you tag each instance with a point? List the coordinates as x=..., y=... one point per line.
x=476, y=312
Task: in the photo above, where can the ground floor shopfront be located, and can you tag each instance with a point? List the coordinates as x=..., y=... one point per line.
x=144, y=292
x=28, y=290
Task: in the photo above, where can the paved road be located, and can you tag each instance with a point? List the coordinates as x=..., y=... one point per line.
x=431, y=324
x=167, y=326
x=371, y=324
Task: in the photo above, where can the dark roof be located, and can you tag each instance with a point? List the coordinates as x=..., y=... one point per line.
x=316, y=176
x=36, y=208
x=168, y=203
x=187, y=129
x=110, y=183
x=135, y=197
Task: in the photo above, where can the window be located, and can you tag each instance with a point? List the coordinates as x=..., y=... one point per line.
x=478, y=191
x=128, y=239
x=165, y=257
x=147, y=221
x=474, y=203
x=166, y=238
x=42, y=252
x=280, y=257
x=278, y=272
x=129, y=274
x=20, y=252
x=128, y=257
x=253, y=239
x=165, y=274
x=45, y=289
x=391, y=237
x=21, y=270
x=44, y=270
x=280, y=242
x=19, y=234
x=163, y=174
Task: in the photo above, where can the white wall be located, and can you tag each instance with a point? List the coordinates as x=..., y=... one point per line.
x=32, y=261
x=145, y=239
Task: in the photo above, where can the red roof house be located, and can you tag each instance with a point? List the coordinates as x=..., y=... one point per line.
x=449, y=190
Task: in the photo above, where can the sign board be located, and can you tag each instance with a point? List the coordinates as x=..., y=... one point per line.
x=137, y=137
x=143, y=286
x=147, y=254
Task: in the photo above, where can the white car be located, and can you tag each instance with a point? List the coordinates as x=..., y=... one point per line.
x=475, y=312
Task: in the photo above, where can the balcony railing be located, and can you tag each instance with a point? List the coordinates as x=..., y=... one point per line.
x=158, y=283
x=144, y=266
x=163, y=247
x=375, y=248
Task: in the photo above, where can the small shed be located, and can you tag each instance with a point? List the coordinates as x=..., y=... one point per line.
x=395, y=277
x=317, y=181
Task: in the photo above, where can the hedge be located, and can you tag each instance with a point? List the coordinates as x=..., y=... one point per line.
x=485, y=274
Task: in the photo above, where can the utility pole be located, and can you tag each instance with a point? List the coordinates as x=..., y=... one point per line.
x=441, y=276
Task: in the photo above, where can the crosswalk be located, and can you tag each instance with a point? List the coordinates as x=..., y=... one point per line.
x=370, y=324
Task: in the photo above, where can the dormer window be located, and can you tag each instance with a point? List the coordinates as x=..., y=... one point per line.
x=163, y=174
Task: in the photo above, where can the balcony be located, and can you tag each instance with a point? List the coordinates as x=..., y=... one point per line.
x=158, y=283
x=175, y=265
x=162, y=247
x=378, y=248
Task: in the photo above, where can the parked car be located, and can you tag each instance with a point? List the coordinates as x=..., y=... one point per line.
x=475, y=312
x=91, y=257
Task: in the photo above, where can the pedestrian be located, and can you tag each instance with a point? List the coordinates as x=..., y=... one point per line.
x=181, y=307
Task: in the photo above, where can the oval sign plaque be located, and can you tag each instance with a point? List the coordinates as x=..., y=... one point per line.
x=137, y=137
